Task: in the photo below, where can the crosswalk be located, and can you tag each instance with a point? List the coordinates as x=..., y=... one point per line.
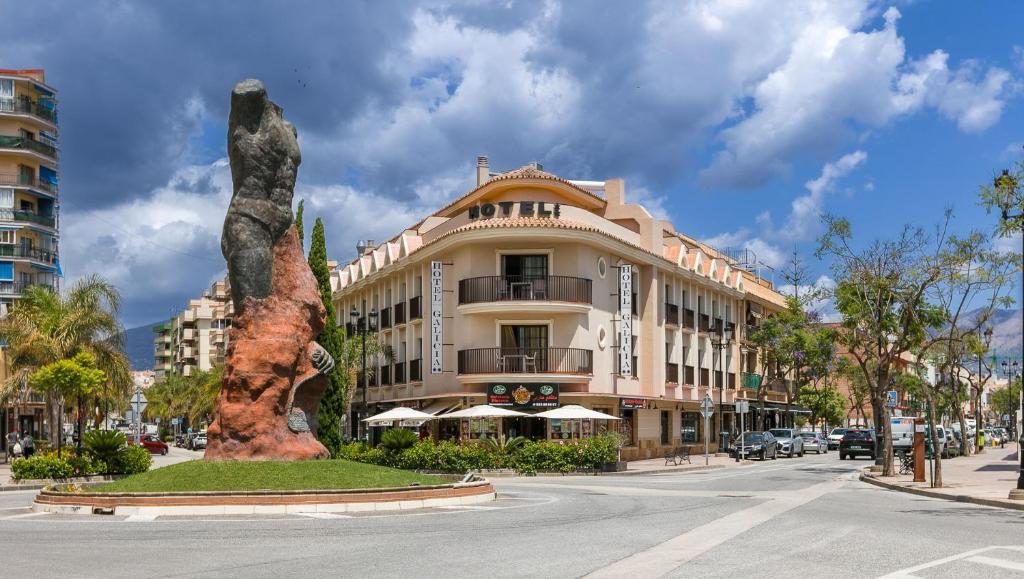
x=987, y=561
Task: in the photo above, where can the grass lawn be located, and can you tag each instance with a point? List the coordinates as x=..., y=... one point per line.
x=199, y=475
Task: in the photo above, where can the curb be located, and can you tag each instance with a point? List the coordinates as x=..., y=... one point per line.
x=939, y=495
x=677, y=470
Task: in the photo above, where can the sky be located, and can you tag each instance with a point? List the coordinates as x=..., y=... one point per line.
x=742, y=121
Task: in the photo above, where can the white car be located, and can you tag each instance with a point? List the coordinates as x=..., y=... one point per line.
x=815, y=442
x=834, y=437
x=790, y=442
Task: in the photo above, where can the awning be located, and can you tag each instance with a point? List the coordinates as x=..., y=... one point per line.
x=435, y=408
x=780, y=407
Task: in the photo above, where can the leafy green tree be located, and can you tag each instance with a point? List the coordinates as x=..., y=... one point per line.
x=1006, y=195
x=827, y=404
x=44, y=327
x=332, y=405
x=73, y=379
x=298, y=223
x=192, y=397
x=1006, y=400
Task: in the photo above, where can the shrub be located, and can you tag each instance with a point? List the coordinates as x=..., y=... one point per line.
x=502, y=444
x=47, y=465
x=398, y=439
x=104, y=445
x=131, y=460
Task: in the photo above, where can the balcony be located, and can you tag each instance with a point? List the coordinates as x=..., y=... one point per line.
x=30, y=181
x=28, y=216
x=20, y=251
x=671, y=315
x=526, y=362
x=704, y=323
x=27, y=107
x=399, y=372
x=752, y=381
x=688, y=378
x=399, y=313
x=554, y=293
x=705, y=377
x=672, y=373
x=749, y=331
x=26, y=144
x=16, y=288
x=415, y=370
x=385, y=318
x=385, y=375
x=688, y=319
x=416, y=308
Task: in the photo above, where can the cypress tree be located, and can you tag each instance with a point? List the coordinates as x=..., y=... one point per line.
x=298, y=223
x=332, y=404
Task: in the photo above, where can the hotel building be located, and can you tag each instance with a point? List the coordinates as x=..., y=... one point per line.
x=533, y=291
x=197, y=338
x=28, y=207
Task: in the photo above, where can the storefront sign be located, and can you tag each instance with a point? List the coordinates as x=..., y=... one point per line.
x=436, y=319
x=515, y=208
x=409, y=404
x=523, y=395
x=626, y=320
x=632, y=403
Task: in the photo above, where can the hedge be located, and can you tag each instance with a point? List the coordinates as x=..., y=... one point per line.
x=48, y=465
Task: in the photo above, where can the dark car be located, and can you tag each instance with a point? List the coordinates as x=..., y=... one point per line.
x=761, y=445
x=857, y=442
x=153, y=444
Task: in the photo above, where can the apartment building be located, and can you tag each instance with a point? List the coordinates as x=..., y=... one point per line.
x=29, y=201
x=533, y=291
x=197, y=338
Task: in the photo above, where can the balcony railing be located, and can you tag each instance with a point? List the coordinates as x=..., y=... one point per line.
x=27, y=107
x=12, y=250
x=688, y=319
x=29, y=216
x=27, y=181
x=416, y=308
x=501, y=288
x=705, y=322
x=385, y=375
x=671, y=314
x=752, y=381
x=399, y=313
x=526, y=361
x=688, y=378
x=17, y=288
x=415, y=370
x=705, y=377
x=9, y=142
x=672, y=373
x=399, y=372
x=385, y=318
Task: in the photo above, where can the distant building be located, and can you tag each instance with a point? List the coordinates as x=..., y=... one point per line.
x=197, y=338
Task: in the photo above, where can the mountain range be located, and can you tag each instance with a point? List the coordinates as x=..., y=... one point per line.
x=138, y=346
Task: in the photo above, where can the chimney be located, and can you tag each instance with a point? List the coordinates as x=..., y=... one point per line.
x=483, y=170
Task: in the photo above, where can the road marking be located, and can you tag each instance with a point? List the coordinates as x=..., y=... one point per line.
x=666, y=556
x=968, y=555
x=1001, y=563
x=139, y=518
x=473, y=507
x=22, y=516
x=325, y=516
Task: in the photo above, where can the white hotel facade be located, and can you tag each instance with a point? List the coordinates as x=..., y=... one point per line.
x=533, y=291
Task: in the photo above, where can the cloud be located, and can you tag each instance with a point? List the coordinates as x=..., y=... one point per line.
x=805, y=215
x=824, y=306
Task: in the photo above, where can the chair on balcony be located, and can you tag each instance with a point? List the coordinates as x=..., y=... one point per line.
x=502, y=289
x=526, y=363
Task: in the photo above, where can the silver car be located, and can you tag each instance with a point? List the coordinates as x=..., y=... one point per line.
x=814, y=441
x=790, y=443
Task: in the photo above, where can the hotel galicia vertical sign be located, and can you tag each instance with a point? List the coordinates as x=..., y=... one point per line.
x=436, y=335
x=626, y=320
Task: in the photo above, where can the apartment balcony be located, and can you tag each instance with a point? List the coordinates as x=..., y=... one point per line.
x=750, y=381
x=27, y=107
x=399, y=372
x=187, y=334
x=688, y=375
x=29, y=181
x=415, y=370
x=748, y=331
x=705, y=377
x=28, y=217
x=22, y=252
x=385, y=318
x=497, y=294
x=385, y=375
x=672, y=373
x=769, y=396
x=16, y=288
x=399, y=309
x=689, y=319
x=525, y=364
x=416, y=308
x=704, y=323
x=28, y=145
x=186, y=353
x=671, y=315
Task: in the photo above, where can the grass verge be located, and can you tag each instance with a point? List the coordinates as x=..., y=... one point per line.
x=199, y=475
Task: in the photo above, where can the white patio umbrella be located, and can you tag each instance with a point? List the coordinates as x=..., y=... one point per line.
x=574, y=412
x=396, y=414
x=484, y=411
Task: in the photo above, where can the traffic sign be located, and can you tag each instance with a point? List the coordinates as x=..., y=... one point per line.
x=742, y=407
x=707, y=406
x=891, y=398
x=139, y=403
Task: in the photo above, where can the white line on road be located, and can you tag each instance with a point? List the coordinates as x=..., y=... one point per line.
x=993, y=562
x=909, y=571
x=665, y=557
x=473, y=507
x=325, y=516
x=22, y=516
x=139, y=518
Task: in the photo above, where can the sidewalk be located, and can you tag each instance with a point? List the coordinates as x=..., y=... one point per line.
x=656, y=465
x=981, y=478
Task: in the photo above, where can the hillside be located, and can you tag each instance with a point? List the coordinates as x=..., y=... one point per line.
x=138, y=346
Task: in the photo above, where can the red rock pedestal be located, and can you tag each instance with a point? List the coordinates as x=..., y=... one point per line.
x=269, y=353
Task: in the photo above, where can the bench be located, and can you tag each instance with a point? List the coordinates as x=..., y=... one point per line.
x=677, y=455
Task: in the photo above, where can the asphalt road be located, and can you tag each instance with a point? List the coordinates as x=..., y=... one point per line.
x=806, y=517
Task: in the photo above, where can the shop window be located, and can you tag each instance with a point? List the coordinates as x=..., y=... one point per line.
x=626, y=426
x=690, y=431
x=666, y=425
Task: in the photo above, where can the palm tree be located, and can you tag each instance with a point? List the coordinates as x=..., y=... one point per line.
x=45, y=326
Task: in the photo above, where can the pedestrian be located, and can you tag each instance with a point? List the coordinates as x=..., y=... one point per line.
x=28, y=446
x=12, y=439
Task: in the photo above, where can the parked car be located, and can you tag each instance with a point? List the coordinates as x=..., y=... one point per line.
x=857, y=442
x=902, y=434
x=814, y=441
x=835, y=436
x=153, y=444
x=943, y=440
x=198, y=441
x=955, y=444
x=760, y=445
x=790, y=442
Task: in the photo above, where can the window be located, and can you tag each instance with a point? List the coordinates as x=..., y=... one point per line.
x=27, y=206
x=6, y=88
x=602, y=267
x=7, y=236
x=6, y=271
x=690, y=431
x=534, y=337
x=626, y=426
x=6, y=198
x=666, y=421
x=527, y=266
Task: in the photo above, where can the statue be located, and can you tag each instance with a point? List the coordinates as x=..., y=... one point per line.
x=275, y=374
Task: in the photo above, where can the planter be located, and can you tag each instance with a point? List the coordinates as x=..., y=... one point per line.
x=618, y=466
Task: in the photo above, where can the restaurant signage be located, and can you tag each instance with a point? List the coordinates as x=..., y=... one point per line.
x=626, y=320
x=632, y=403
x=517, y=208
x=436, y=318
x=523, y=395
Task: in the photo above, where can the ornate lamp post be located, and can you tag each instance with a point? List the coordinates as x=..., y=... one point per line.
x=721, y=339
x=369, y=326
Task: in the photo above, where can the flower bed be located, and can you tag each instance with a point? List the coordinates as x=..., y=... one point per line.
x=528, y=457
x=51, y=465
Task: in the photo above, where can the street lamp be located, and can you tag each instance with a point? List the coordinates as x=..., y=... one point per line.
x=369, y=326
x=721, y=339
x=1013, y=372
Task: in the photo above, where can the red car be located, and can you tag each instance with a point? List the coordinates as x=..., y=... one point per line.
x=153, y=444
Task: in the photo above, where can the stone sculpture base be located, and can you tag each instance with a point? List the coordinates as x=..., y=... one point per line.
x=268, y=404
